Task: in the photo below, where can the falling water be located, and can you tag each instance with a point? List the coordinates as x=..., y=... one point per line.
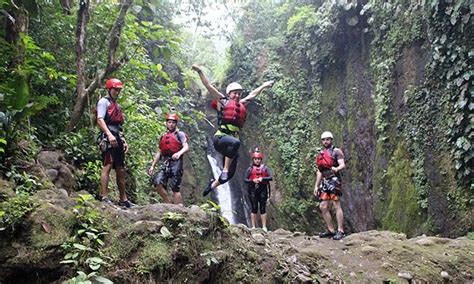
x=223, y=192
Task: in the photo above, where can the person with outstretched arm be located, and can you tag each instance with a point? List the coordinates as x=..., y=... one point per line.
x=233, y=112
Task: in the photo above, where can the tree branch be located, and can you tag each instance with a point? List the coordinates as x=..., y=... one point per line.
x=112, y=65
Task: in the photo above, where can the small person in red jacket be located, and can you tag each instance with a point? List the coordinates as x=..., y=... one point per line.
x=258, y=177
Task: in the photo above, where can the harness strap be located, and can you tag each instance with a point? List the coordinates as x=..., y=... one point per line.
x=224, y=129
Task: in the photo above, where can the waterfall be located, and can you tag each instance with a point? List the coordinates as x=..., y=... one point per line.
x=223, y=192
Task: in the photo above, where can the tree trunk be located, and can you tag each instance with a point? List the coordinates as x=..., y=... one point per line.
x=66, y=5
x=16, y=23
x=112, y=63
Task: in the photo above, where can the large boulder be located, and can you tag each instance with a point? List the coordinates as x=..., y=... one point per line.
x=57, y=170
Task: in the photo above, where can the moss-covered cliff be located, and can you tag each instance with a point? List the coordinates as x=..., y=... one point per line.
x=392, y=81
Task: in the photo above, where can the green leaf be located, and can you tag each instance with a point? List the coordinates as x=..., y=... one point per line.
x=104, y=280
x=95, y=259
x=94, y=266
x=79, y=246
x=165, y=232
x=68, y=261
x=91, y=236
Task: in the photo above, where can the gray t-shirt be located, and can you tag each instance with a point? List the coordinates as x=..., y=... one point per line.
x=102, y=106
x=182, y=137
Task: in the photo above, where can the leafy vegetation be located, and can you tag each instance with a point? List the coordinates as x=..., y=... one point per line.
x=13, y=211
x=378, y=75
x=83, y=250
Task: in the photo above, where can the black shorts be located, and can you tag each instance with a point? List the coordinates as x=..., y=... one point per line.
x=227, y=145
x=170, y=171
x=258, y=197
x=114, y=155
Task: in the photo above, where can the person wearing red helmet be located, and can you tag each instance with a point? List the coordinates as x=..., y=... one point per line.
x=113, y=146
x=330, y=163
x=258, y=177
x=232, y=114
x=173, y=144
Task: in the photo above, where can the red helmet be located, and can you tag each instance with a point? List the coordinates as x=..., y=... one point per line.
x=172, y=116
x=257, y=154
x=113, y=83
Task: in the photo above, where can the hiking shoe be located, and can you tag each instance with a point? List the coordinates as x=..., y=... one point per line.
x=106, y=200
x=126, y=204
x=208, y=188
x=265, y=229
x=339, y=235
x=327, y=234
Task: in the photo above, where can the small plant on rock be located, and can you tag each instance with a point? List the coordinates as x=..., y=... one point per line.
x=83, y=250
x=13, y=211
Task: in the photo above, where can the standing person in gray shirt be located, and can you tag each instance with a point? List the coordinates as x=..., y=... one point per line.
x=113, y=146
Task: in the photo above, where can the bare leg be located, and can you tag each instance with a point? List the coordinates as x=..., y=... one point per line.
x=264, y=219
x=120, y=173
x=104, y=180
x=339, y=216
x=215, y=184
x=326, y=215
x=227, y=162
x=253, y=219
x=161, y=190
x=177, y=198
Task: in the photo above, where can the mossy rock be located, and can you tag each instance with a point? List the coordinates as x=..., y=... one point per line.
x=51, y=226
x=6, y=190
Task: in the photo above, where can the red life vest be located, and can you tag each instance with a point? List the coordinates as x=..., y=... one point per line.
x=170, y=144
x=234, y=113
x=114, y=114
x=326, y=159
x=256, y=172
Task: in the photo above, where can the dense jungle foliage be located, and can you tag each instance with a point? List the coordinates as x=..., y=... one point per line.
x=392, y=81
x=39, y=83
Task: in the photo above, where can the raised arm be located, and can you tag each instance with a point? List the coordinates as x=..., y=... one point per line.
x=257, y=91
x=212, y=90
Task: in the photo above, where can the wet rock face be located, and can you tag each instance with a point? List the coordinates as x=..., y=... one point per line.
x=57, y=170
